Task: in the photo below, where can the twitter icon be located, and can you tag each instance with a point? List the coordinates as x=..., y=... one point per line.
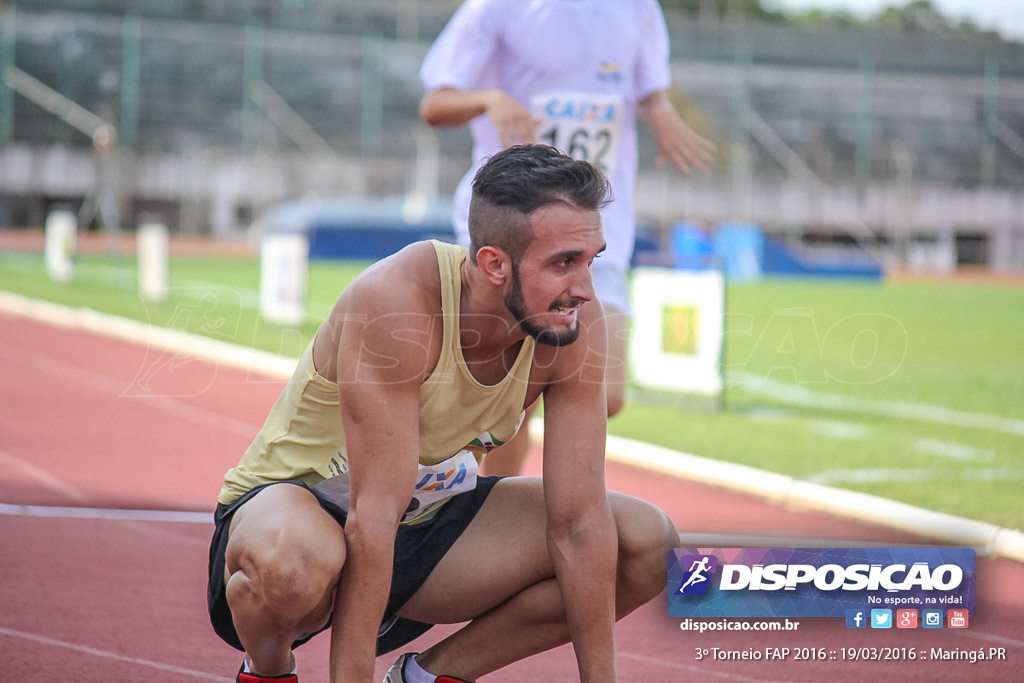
x=881, y=618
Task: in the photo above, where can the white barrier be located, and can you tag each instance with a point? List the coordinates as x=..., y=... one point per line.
x=61, y=240
x=152, y=245
x=284, y=261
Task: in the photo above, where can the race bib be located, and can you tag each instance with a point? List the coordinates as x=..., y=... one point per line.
x=434, y=483
x=584, y=126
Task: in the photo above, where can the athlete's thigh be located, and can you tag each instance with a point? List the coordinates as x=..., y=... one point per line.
x=501, y=552
x=282, y=520
x=504, y=550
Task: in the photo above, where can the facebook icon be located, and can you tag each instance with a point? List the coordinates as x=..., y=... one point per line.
x=856, y=618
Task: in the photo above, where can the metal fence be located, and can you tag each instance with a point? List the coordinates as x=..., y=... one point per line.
x=221, y=115
x=788, y=106
x=173, y=85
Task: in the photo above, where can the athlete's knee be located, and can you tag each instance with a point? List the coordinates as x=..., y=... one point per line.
x=646, y=534
x=288, y=578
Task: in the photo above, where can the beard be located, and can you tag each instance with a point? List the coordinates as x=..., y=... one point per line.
x=515, y=302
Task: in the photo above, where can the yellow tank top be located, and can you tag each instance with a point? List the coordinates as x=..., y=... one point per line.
x=460, y=419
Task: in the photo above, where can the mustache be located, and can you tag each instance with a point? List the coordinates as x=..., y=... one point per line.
x=567, y=303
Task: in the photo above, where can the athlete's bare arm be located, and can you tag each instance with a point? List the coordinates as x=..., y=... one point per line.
x=581, y=529
x=451, y=106
x=677, y=142
x=382, y=328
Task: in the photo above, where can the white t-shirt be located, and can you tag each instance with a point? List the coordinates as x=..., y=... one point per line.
x=582, y=65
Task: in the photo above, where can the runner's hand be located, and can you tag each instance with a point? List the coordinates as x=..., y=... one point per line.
x=677, y=142
x=515, y=123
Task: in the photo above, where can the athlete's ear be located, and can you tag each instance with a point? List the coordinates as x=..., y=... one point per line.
x=495, y=265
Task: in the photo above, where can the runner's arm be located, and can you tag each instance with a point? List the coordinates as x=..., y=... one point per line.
x=581, y=530
x=676, y=141
x=382, y=365
x=450, y=106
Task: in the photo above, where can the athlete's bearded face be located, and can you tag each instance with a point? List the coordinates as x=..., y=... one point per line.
x=531, y=325
x=555, y=267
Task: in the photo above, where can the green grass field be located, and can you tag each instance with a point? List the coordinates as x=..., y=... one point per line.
x=910, y=391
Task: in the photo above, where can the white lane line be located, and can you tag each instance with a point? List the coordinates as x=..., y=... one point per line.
x=43, y=477
x=180, y=516
x=990, y=637
x=703, y=671
x=85, y=649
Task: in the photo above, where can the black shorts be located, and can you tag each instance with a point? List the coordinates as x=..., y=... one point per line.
x=418, y=549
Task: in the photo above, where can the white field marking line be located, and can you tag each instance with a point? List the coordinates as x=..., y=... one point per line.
x=250, y=298
x=803, y=396
x=656, y=661
x=949, y=450
x=110, y=275
x=989, y=637
x=953, y=451
x=85, y=649
x=985, y=474
x=45, y=478
x=111, y=385
x=115, y=514
x=712, y=540
x=839, y=429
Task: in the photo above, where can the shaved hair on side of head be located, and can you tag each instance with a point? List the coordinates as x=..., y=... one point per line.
x=516, y=182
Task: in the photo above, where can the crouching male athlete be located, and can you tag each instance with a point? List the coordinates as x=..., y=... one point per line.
x=358, y=506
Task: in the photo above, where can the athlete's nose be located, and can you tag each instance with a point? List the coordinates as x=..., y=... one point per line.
x=582, y=287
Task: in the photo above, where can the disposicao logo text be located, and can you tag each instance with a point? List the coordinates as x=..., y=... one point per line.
x=824, y=582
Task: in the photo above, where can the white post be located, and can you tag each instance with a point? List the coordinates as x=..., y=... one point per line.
x=61, y=240
x=284, y=260
x=152, y=245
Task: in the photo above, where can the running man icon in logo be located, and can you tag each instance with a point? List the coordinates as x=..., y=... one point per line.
x=696, y=581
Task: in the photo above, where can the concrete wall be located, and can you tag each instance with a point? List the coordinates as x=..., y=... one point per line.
x=222, y=194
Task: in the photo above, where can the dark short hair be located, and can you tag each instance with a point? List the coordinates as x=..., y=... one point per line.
x=519, y=180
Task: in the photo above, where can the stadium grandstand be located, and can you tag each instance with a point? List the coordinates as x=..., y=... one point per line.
x=908, y=147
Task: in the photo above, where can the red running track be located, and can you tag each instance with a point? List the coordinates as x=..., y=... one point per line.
x=89, y=422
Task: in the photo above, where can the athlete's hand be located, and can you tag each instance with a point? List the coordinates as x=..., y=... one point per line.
x=515, y=124
x=677, y=142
